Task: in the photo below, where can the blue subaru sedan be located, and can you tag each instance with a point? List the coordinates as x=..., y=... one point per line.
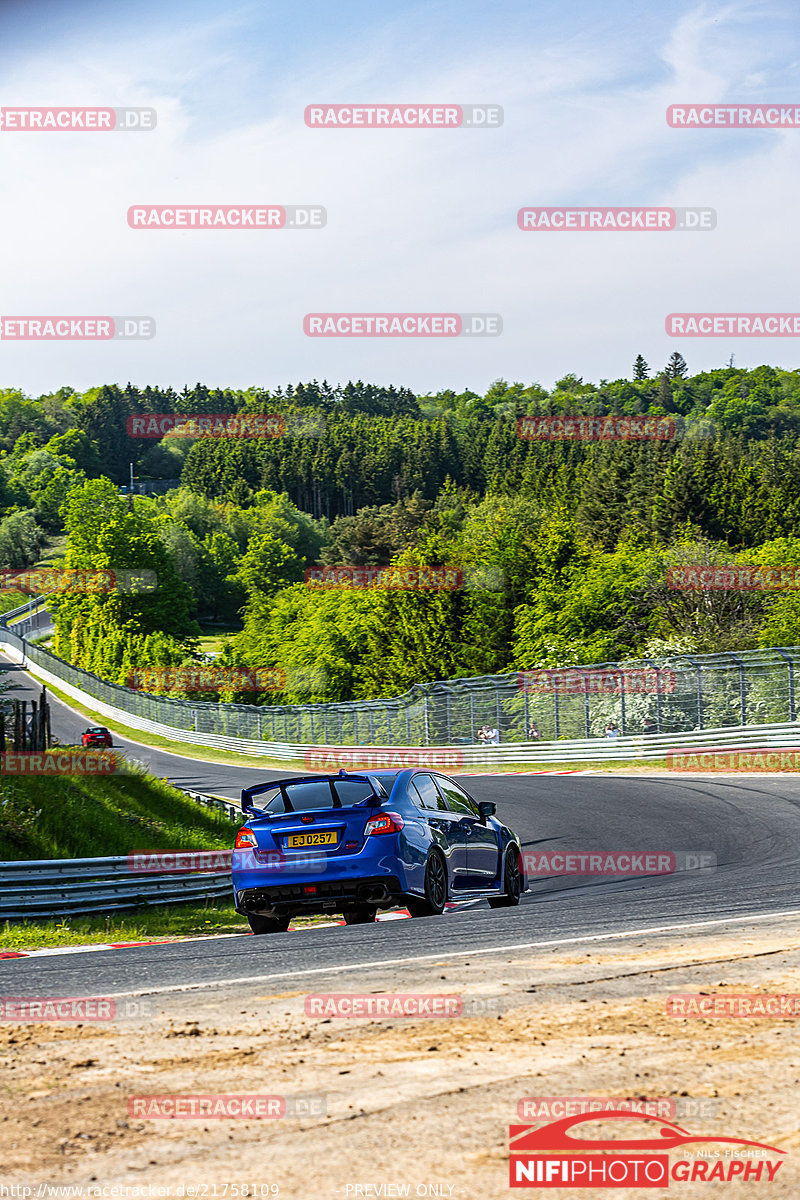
x=354, y=844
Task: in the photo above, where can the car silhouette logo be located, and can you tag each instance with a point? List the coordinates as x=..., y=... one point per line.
x=557, y=1136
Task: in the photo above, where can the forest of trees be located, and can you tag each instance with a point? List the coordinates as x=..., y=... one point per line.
x=569, y=541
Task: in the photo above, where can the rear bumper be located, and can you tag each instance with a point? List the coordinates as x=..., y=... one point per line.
x=330, y=895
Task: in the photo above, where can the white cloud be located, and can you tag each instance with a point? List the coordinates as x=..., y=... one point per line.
x=416, y=221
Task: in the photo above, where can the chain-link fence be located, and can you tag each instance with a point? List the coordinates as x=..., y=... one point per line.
x=667, y=695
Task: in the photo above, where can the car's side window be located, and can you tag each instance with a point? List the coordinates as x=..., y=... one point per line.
x=414, y=796
x=428, y=793
x=457, y=801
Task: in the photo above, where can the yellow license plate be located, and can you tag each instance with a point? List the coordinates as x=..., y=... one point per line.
x=310, y=839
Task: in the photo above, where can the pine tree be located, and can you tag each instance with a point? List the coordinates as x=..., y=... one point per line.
x=676, y=368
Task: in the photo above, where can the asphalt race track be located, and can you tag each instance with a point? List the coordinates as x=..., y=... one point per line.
x=751, y=824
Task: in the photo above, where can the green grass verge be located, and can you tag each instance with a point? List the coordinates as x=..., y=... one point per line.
x=180, y=920
x=82, y=816
x=149, y=924
x=214, y=637
x=629, y=764
x=11, y=600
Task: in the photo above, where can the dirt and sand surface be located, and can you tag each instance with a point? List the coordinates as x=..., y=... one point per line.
x=412, y=1106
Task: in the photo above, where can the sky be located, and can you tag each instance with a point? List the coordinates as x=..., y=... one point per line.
x=417, y=220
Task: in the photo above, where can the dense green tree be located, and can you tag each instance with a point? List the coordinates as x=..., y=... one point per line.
x=21, y=539
x=105, y=534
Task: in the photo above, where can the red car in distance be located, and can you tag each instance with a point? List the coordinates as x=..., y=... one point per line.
x=97, y=735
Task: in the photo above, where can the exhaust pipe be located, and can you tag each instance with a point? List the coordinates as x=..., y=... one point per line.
x=262, y=906
x=372, y=893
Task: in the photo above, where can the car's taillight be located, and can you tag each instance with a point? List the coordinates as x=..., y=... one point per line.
x=245, y=839
x=387, y=822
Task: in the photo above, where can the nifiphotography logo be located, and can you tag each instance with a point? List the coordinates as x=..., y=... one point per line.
x=553, y=1157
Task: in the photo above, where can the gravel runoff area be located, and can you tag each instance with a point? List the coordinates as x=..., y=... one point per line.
x=416, y=1106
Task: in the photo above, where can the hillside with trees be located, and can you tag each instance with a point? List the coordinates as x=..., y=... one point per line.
x=565, y=544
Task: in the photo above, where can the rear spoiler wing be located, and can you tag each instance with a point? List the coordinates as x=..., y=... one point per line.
x=378, y=790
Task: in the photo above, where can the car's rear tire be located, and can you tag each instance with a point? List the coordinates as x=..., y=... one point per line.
x=512, y=881
x=363, y=915
x=435, y=889
x=260, y=924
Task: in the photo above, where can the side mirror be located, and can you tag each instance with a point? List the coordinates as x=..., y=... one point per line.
x=487, y=808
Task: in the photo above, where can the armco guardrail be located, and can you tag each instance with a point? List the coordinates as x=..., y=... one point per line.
x=675, y=693
x=63, y=887
x=29, y=620
x=12, y=613
x=231, y=810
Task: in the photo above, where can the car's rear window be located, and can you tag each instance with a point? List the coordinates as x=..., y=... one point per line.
x=309, y=797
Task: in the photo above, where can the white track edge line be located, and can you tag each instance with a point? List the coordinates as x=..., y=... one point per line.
x=393, y=962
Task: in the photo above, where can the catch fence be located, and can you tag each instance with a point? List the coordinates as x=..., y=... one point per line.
x=671, y=695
